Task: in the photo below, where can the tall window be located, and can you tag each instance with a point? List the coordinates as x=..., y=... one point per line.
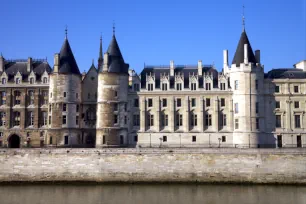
x=257, y=123
x=236, y=84
x=77, y=120
x=222, y=102
x=296, y=89
x=277, y=88
x=31, y=97
x=164, y=86
x=31, y=80
x=150, y=87
x=297, y=120
x=65, y=94
x=77, y=108
x=178, y=102
x=17, y=97
x=207, y=102
x=178, y=86
x=277, y=104
x=64, y=107
x=136, y=102
x=193, y=86
x=256, y=84
x=257, y=107
x=3, y=80
x=136, y=120
x=223, y=120
x=236, y=123
x=193, y=102
x=18, y=80
x=2, y=118
x=45, y=97
x=208, y=86
x=45, y=80
x=115, y=119
x=236, y=108
x=3, y=98
x=194, y=120
x=208, y=120
x=31, y=117
x=296, y=104
x=64, y=119
x=16, y=118
x=164, y=102
x=150, y=102
x=222, y=86
x=278, y=121
x=150, y=120
x=45, y=118
x=164, y=120
x=179, y=119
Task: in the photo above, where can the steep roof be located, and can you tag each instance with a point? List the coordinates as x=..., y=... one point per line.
x=286, y=73
x=68, y=64
x=239, y=55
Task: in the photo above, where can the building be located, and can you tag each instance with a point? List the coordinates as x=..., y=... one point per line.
x=172, y=105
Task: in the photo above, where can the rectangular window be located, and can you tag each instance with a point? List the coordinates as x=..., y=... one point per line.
x=150, y=87
x=222, y=86
x=164, y=138
x=65, y=94
x=164, y=120
x=257, y=123
x=3, y=98
x=194, y=119
x=16, y=118
x=277, y=104
x=296, y=89
x=236, y=123
x=208, y=86
x=150, y=120
x=49, y=120
x=297, y=120
x=45, y=118
x=64, y=120
x=296, y=104
x=278, y=121
x=178, y=102
x=17, y=98
x=31, y=115
x=115, y=106
x=76, y=95
x=194, y=138
x=115, y=119
x=193, y=102
x=164, y=102
x=66, y=140
x=64, y=107
x=236, y=108
x=277, y=88
x=50, y=140
x=2, y=118
x=125, y=119
x=31, y=97
x=256, y=84
x=179, y=120
x=136, y=120
x=222, y=102
x=236, y=84
x=164, y=86
x=257, y=107
x=193, y=86
x=135, y=138
x=136, y=102
x=50, y=108
x=77, y=108
x=77, y=120
x=104, y=139
x=179, y=87
x=223, y=119
x=150, y=102
x=208, y=102
x=223, y=138
x=208, y=120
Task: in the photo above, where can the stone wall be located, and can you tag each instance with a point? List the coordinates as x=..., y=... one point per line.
x=154, y=165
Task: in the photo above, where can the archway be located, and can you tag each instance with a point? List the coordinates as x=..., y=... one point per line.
x=14, y=141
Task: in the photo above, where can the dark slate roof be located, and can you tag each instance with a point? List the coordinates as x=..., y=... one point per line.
x=116, y=61
x=186, y=70
x=38, y=67
x=68, y=64
x=239, y=55
x=286, y=73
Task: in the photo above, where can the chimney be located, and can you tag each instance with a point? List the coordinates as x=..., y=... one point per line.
x=225, y=59
x=29, y=65
x=2, y=62
x=171, y=68
x=56, y=62
x=105, y=65
x=257, y=56
x=200, y=67
x=246, y=59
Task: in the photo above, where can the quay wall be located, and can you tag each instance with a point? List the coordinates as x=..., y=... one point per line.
x=284, y=166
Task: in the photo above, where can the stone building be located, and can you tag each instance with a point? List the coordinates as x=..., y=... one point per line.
x=172, y=105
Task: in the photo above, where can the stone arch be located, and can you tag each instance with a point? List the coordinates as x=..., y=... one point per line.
x=14, y=141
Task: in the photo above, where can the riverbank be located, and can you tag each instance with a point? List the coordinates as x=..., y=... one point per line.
x=261, y=166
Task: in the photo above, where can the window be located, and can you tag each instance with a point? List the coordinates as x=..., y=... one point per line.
x=222, y=86
x=194, y=120
x=296, y=89
x=64, y=107
x=164, y=86
x=16, y=118
x=164, y=102
x=115, y=106
x=164, y=138
x=236, y=108
x=193, y=86
x=65, y=94
x=257, y=123
x=150, y=120
x=31, y=97
x=17, y=97
x=257, y=107
x=193, y=102
x=208, y=102
x=2, y=118
x=208, y=86
x=64, y=119
x=18, y=80
x=3, y=98
x=45, y=95
x=125, y=107
x=135, y=138
x=194, y=138
x=125, y=119
x=45, y=118
x=136, y=102
x=77, y=108
x=31, y=80
x=223, y=120
x=296, y=104
x=223, y=138
x=50, y=140
x=50, y=120
x=178, y=102
x=3, y=80
x=278, y=121
x=150, y=87
x=31, y=116
x=208, y=120
x=277, y=88
x=115, y=119
x=236, y=84
x=116, y=93
x=45, y=80
x=179, y=119
x=136, y=120
x=236, y=123
x=1, y=134
x=178, y=86
x=256, y=84
x=222, y=102
x=297, y=120
x=277, y=104
x=150, y=102
x=76, y=95
x=50, y=108
x=136, y=87
x=66, y=139
x=164, y=120
x=104, y=139
x=77, y=120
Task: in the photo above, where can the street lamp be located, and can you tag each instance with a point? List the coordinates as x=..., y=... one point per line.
x=219, y=141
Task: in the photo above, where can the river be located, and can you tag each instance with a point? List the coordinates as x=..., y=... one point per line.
x=151, y=194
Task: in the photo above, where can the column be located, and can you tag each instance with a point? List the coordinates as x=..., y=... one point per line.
x=142, y=114
x=186, y=117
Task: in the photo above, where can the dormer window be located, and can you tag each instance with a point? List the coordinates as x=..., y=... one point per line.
x=164, y=86
x=179, y=87
x=31, y=80
x=208, y=86
x=18, y=80
x=222, y=86
x=136, y=87
x=45, y=80
x=150, y=87
x=3, y=80
x=193, y=86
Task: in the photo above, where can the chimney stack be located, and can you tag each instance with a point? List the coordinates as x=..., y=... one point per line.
x=200, y=67
x=257, y=56
x=246, y=58
x=105, y=64
x=2, y=62
x=171, y=68
x=56, y=62
x=30, y=64
x=225, y=59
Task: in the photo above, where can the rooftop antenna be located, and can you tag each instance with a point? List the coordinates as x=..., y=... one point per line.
x=66, y=32
x=243, y=19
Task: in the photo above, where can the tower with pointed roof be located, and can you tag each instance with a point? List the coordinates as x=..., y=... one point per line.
x=65, y=98
x=100, y=59
x=112, y=127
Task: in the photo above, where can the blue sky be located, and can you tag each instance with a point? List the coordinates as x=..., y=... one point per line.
x=155, y=32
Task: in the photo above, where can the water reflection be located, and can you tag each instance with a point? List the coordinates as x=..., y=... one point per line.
x=151, y=194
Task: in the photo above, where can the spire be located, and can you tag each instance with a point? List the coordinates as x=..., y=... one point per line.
x=100, y=59
x=114, y=29
x=243, y=19
x=66, y=32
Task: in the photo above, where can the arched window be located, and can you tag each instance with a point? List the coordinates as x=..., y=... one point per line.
x=45, y=80
x=31, y=80
x=3, y=80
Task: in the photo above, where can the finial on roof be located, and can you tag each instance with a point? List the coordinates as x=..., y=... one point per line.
x=114, y=28
x=243, y=19
x=93, y=61
x=66, y=32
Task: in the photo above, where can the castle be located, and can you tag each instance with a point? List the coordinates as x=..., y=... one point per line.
x=174, y=105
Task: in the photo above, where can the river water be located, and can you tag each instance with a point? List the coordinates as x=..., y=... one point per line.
x=151, y=194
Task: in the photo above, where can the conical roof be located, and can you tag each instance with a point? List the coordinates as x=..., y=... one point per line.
x=239, y=55
x=68, y=64
x=113, y=49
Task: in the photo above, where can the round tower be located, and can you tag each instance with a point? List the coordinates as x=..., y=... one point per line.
x=64, y=99
x=112, y=129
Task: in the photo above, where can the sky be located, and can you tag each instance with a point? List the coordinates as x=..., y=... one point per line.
x=155, y=32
